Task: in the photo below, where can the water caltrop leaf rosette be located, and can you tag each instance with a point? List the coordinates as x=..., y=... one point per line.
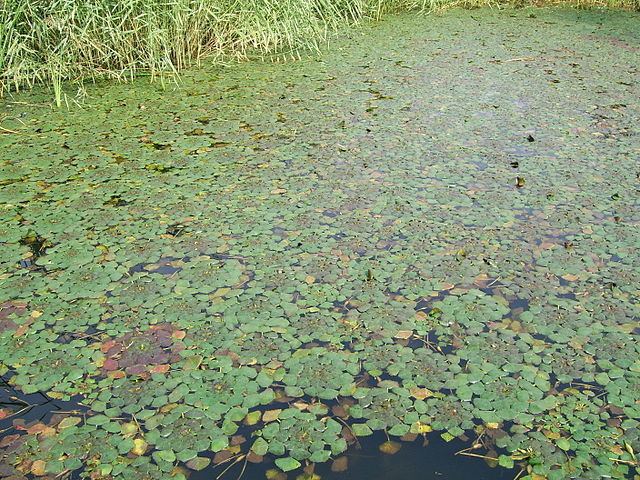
x=318, y=372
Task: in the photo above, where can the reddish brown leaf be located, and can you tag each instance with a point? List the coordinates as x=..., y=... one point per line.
x=160, y=368
x=8, y=440
x=340, y=464
x=221, y=456
x=110, y=364
x=254, y=458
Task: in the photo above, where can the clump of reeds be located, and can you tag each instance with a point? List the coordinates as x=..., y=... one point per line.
x=56, y=41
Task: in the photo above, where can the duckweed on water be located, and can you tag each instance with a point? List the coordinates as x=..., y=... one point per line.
x=434, y=235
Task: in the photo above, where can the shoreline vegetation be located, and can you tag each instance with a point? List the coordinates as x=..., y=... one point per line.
x=75, y=41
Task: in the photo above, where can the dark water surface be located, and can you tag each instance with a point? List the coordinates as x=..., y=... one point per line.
x=435, y=461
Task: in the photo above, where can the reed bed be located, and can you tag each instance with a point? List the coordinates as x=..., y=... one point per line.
x=59, y=42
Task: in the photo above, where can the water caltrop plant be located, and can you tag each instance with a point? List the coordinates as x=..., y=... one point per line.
x=273, y=264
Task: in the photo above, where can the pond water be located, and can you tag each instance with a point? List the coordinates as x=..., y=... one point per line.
x=428, y=232
x=428, y=459
x=435, y=461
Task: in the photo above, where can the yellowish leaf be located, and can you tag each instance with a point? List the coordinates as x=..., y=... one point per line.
x=569, y=277
x=273, y=474
x=420, y=393
x=129, y=429
x=404, y=334
x=221, y=292
x=420, y=315
x=420, y=428
x=38, y=468
x=390, y=448
x=271, y=415
x=139, y=447
x=252, y=418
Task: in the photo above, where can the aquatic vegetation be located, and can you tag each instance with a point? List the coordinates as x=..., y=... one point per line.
x=304, y=436
x=77, y=41
x=276, y=263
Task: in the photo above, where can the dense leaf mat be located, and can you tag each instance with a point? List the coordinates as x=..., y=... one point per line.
x=433, y=228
